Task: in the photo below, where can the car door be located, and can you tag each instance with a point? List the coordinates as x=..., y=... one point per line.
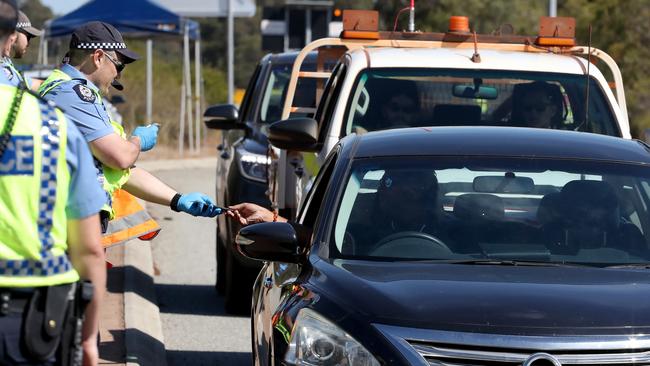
x=274, y=284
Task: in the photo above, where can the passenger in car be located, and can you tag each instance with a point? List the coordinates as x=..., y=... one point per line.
x=393, y=103
x=538, y=104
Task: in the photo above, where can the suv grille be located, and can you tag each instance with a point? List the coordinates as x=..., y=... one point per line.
x=441, y=348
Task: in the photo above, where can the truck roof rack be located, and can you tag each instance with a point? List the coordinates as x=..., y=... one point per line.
x=556, y=35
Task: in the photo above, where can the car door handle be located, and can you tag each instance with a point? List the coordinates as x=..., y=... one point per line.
x=268, y=282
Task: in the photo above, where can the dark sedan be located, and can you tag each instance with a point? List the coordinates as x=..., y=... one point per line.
x=461, y=246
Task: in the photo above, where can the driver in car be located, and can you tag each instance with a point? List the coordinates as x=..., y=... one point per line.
x=406, y=205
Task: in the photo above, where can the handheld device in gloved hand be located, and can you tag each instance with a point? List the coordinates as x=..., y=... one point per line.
x=196, y=204
x=148, y=136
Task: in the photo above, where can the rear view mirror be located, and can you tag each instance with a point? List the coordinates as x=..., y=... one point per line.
x=469, y=91
x=503, y=184
x=298, y=134
x=222, y=117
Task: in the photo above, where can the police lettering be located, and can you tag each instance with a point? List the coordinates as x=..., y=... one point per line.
x=18, y=159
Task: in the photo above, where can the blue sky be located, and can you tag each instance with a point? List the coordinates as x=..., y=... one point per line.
x=60, y=7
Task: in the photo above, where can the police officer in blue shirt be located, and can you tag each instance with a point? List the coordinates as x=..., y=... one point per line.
x=17, y=48
x=84, y=200
x=95, y=60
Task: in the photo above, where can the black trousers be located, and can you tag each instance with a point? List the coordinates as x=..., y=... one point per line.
x=12, y=350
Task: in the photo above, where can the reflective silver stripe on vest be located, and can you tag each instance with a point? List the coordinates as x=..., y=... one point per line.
x=48, y=265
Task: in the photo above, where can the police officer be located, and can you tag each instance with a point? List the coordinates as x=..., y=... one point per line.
x=50, y=232
x=95, y=60
x=18, y=44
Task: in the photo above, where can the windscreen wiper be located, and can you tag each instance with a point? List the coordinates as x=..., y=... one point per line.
x=508, y=262
x=631, y=265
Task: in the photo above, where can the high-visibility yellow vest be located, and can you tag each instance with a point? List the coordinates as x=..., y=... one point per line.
x=112, y=179
x=34, y=184
x=129, y=220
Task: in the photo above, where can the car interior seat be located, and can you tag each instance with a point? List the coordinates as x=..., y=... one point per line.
x=477, y=220
x=588, y=216
x=456, y=115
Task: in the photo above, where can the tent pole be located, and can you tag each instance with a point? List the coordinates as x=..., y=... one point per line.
x=188, y=89
x=181, y=129
x=231, y=53
x=197, y=91
x=45, y=52
x=149, y=80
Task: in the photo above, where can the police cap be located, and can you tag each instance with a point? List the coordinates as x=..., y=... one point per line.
x=8, y=16
x=99, y=35
x=25, y=25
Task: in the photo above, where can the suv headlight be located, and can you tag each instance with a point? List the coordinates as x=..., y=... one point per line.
x=315, y=341
x=253, y=166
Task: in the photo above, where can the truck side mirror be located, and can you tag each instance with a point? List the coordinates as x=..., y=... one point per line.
x=298, y=134
x=223, y=117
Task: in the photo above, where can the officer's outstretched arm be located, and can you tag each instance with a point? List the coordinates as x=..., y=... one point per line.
x=116, y=152
x=144, y=185
x=87, y=255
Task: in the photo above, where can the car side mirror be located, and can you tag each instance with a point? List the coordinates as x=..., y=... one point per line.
x=273, y=241
x=223, y=117
x=298, y=134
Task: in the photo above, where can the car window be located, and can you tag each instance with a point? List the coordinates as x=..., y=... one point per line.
x=330, y=96
x=311, y=206
x=544, y=210
x=394, y=98
x=248, y=96
x=275, y=92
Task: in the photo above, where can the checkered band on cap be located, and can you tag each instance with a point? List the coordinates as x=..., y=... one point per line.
x=101, y=45
x=49, y=264
x=20, y=25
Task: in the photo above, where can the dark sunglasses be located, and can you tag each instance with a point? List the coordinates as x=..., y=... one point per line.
x=119, y=66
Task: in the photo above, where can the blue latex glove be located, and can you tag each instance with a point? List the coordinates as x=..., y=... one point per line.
x=198, y=204
x=148, y=136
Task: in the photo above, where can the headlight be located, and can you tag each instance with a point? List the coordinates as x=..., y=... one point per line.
x=315, y=341
x=253, y=166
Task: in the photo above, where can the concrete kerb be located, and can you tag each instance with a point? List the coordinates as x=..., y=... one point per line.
x=144, y=340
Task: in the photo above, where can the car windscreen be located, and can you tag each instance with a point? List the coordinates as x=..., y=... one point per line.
x=467, y=208
x=416, y=97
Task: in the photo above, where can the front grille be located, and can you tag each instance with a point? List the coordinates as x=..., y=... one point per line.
x=441, y=348
x=458, y=355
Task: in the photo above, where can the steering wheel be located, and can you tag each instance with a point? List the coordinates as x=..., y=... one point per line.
x=411, y=244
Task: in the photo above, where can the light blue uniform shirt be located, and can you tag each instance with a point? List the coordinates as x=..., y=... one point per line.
x=12, y=75
x=86, y=111
x=85, y=197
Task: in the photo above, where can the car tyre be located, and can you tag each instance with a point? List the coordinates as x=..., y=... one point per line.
x=237, y=292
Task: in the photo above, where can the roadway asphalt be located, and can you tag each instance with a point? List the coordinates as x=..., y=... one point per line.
x=196, y=329
x=161, y=307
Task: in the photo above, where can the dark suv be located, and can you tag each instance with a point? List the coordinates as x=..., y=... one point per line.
x=243, y=162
